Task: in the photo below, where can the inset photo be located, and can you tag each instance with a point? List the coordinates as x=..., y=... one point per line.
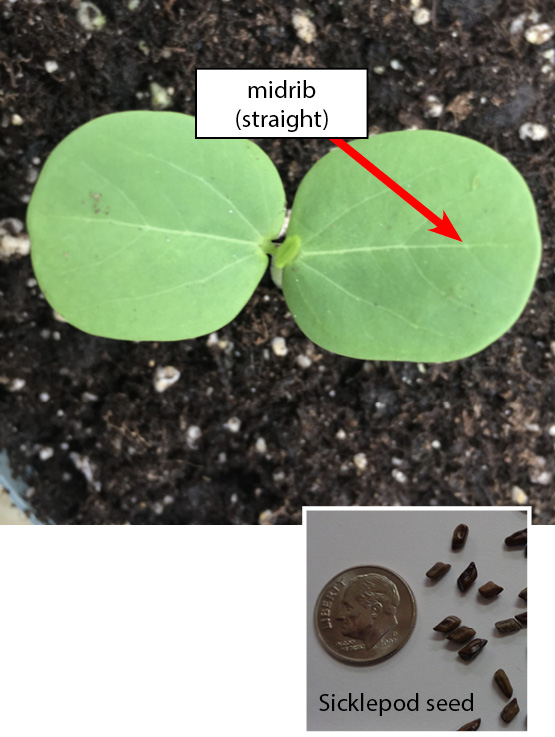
x=416, y=619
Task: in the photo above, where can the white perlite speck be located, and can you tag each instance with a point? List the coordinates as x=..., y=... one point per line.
x=233, y=424
x=90, y=17
x=164, y=377
x=551, y=430
x=13, y=240
x=46, y=453
x=517, y=24
x=279, y=347
x=340, y=434
x=539, y=34
x=543, y=478
x=304, y=27
x=44, y=397
x=160, y=97
x=361, y=461
x=432, y=107
x=83, y=464
x=396, y=65
x=534, y=131
x=421, y=16
x=303, y=361
x=17, y=119
x=16, y=385
x=193, y=435
x=51, y=66
x=518, y=495
x=436, y=444
x=399, y=476
x=261, y=446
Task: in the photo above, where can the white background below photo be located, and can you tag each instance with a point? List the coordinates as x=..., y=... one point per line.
x=408, y=543
x=184, y=630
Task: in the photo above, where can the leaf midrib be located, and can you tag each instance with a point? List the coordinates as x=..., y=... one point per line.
x=154, y=228
x=399, y=246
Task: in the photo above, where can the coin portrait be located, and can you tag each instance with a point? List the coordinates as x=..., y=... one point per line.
x=364, y=615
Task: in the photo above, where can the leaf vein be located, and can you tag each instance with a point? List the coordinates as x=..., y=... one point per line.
x=146, y=227
x=181, y=285
x=199, y=179
x=381, y=308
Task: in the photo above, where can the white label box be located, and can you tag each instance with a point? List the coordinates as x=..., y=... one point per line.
x=286, y=103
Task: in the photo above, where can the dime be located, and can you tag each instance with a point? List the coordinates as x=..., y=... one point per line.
x=365, y=615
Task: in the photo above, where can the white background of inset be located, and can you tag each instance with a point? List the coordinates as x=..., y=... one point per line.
x=222, y=92
x=409, y=543
x=183, y=631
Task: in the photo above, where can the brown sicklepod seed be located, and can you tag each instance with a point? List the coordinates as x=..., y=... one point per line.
x=524, y=594
x=502, y=680
x=447, y=624
x=438, y=570
x=470, y=726
x=517, y=538
x=459, y=537
x=468, y=652
x=490, y=589
x=467, y=577
x=510, y=711
x=522, y=618
x=461, y=635
x=508, y=625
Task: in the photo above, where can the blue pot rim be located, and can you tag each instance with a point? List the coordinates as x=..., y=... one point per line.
x=17, y=489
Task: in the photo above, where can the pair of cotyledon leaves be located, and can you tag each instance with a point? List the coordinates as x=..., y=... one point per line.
x=139, y=231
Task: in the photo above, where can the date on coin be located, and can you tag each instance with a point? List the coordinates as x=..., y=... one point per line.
x=365, y=615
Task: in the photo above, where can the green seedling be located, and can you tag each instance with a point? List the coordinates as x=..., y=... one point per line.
x=141, y=232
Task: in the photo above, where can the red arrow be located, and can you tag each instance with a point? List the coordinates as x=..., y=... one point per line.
x=443, y=225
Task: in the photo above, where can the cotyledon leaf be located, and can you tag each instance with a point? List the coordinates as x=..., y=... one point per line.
x=141, y=232
x=368, y=279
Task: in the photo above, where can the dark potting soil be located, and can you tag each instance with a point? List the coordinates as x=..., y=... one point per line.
x=456, y=433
